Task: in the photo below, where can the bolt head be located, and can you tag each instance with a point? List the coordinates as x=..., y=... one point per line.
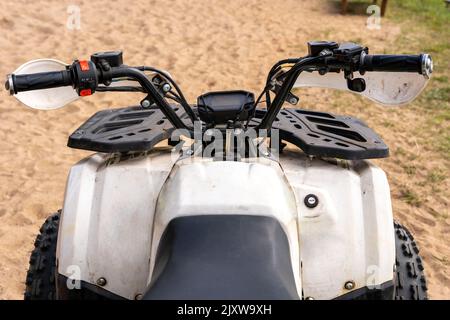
x=101, y=282
x=309, y=298
x=145, y=103
x=138, y=297
x=311, y=201
x=166, y=87
x=349, y=285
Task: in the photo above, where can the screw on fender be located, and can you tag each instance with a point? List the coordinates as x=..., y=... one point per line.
x=311, y=201
x=349, y=285
x=101, y=282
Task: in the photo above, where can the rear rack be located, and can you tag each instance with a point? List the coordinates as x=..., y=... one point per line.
x=316, y=133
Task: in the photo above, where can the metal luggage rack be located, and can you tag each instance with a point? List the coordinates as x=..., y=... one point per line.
x=316, y=133
x=124, y=129
x=327, y=135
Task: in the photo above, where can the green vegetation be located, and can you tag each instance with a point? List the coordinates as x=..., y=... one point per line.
x=444, y=146
x=410, y=169
x=436, y=176
x=433, y=13
x=440, y=94
x=429, y=22
x=410, y=197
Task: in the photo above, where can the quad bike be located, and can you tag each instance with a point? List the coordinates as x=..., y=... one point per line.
x=223, y=199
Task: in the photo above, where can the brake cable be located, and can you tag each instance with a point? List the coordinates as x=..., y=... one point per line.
x=291, y=77
x=183, y=101
x=120, y=89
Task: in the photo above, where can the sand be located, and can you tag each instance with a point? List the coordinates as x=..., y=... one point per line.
x=206, y=45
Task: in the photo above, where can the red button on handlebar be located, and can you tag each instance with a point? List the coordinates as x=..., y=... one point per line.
x=84, y=65
x=85, y=92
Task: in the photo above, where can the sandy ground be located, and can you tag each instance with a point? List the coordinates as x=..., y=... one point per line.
x=206, y=45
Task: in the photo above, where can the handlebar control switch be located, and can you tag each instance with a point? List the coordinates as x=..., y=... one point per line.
x=105, y=61
x=114, y=58
x=85, y=77
x=349, y=50
x=349, y=56
x=316, y=47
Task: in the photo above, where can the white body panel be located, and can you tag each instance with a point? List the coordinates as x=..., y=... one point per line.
x=115, y=212
x=107, y=220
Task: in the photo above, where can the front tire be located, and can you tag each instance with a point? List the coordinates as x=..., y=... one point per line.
x=410, y=282
x=41, y=282
x=41, y=275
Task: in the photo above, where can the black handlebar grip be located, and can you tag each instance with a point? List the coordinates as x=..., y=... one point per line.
x=421, y=64
x=36, y=81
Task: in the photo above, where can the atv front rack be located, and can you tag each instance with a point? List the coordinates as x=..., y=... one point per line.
x=327, y=135
x=123, y=130
x=316, y=133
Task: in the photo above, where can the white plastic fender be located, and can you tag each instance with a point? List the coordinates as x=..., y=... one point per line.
x=107, y=220
x=349, y=236
x=115, y=211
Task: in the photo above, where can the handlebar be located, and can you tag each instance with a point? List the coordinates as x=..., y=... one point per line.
x=81, y=75
x=36, y=81
x=331, y=57
x=85, y=76
x=421, y=64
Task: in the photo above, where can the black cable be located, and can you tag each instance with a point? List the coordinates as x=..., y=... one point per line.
x=267, y=99
x=277, y=66
x=266, y=89
x=120, y=89
x=259, y=98
x=183, y=101
x=274, y=69
x=173, y=96
x=255, y=106
x=285, y=88
x=118, y=72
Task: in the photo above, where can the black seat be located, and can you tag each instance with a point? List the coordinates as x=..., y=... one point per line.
x=223, y=257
